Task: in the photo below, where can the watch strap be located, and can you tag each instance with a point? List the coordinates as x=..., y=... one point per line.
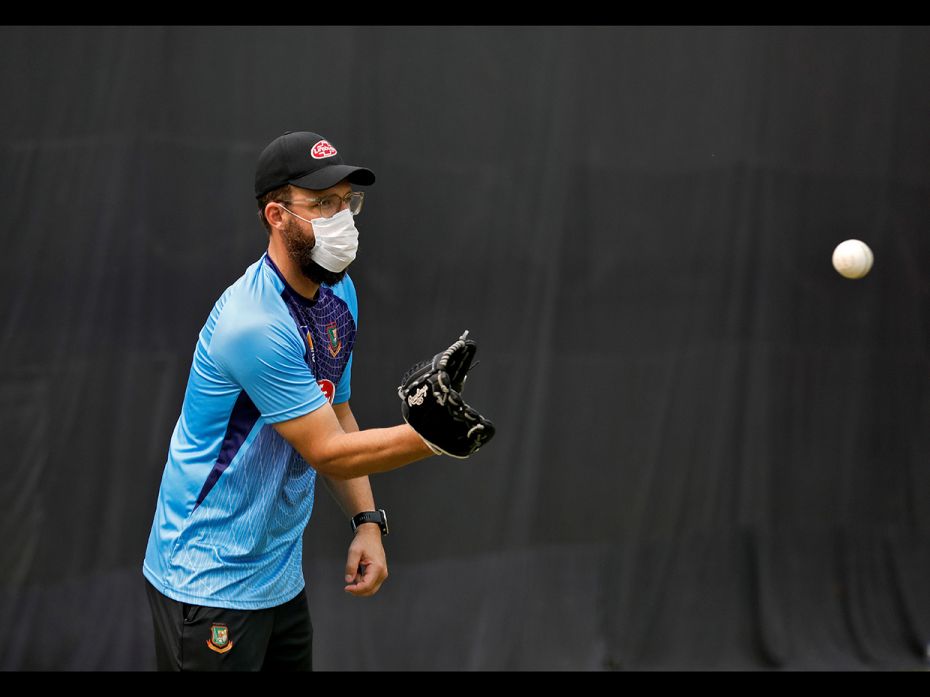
x=379, y=517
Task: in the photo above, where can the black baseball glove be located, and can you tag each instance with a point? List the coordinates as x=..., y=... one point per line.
x=431, y=401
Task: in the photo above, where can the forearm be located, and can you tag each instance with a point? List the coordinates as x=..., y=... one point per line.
x=373, y=450
x=353, y=495
x=328, y=438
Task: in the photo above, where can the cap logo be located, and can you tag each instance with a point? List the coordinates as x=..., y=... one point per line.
x=322, y=149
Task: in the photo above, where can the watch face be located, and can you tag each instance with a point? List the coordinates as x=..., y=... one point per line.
x=384, y=525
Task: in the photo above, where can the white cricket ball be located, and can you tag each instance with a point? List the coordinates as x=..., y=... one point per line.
x=852, y=258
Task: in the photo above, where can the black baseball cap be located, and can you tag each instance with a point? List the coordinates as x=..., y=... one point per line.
x=307, y=160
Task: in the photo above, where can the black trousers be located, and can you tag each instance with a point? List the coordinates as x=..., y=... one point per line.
x=196, y=637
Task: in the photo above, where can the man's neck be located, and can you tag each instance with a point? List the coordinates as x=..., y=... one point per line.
x=291, y=273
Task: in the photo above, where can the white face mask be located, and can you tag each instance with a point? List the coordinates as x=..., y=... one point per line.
x=336, y=240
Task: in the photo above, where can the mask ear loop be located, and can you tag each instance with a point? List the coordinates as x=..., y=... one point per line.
x=261, y=213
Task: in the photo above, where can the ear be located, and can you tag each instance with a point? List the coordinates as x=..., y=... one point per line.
x=273, y=214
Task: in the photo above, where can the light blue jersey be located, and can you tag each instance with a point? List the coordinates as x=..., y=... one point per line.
x=235, y=497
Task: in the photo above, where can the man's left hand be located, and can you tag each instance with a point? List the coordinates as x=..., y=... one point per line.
x=366, y=565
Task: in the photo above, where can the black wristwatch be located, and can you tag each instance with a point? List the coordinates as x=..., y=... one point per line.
x=379, y=517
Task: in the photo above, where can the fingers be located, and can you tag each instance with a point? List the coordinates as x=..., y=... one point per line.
x=353, y=561
x=366, y=564
x=367, y=580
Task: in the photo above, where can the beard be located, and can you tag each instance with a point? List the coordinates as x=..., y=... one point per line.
x=299, y=248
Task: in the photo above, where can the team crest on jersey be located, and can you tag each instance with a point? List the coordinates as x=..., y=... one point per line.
x=328, y=388
x=335, y=343
x=219, y=640
x=322, y=150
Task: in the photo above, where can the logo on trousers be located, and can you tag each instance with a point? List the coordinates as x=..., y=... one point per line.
x=219, y=638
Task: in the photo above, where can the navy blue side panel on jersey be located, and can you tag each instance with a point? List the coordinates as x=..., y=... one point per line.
x=243, y=418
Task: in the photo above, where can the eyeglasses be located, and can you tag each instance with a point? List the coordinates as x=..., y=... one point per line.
x=328, y=206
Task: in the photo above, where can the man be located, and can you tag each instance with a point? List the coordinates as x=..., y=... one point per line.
x=267, y=409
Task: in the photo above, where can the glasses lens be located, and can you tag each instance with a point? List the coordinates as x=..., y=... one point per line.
x=356, y=199
x=330, y=205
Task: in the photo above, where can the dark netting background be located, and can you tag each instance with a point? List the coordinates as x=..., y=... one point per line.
x=712, y=449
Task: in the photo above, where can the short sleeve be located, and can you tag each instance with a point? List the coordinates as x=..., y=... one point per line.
x=344, y=388
x=267, y=360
